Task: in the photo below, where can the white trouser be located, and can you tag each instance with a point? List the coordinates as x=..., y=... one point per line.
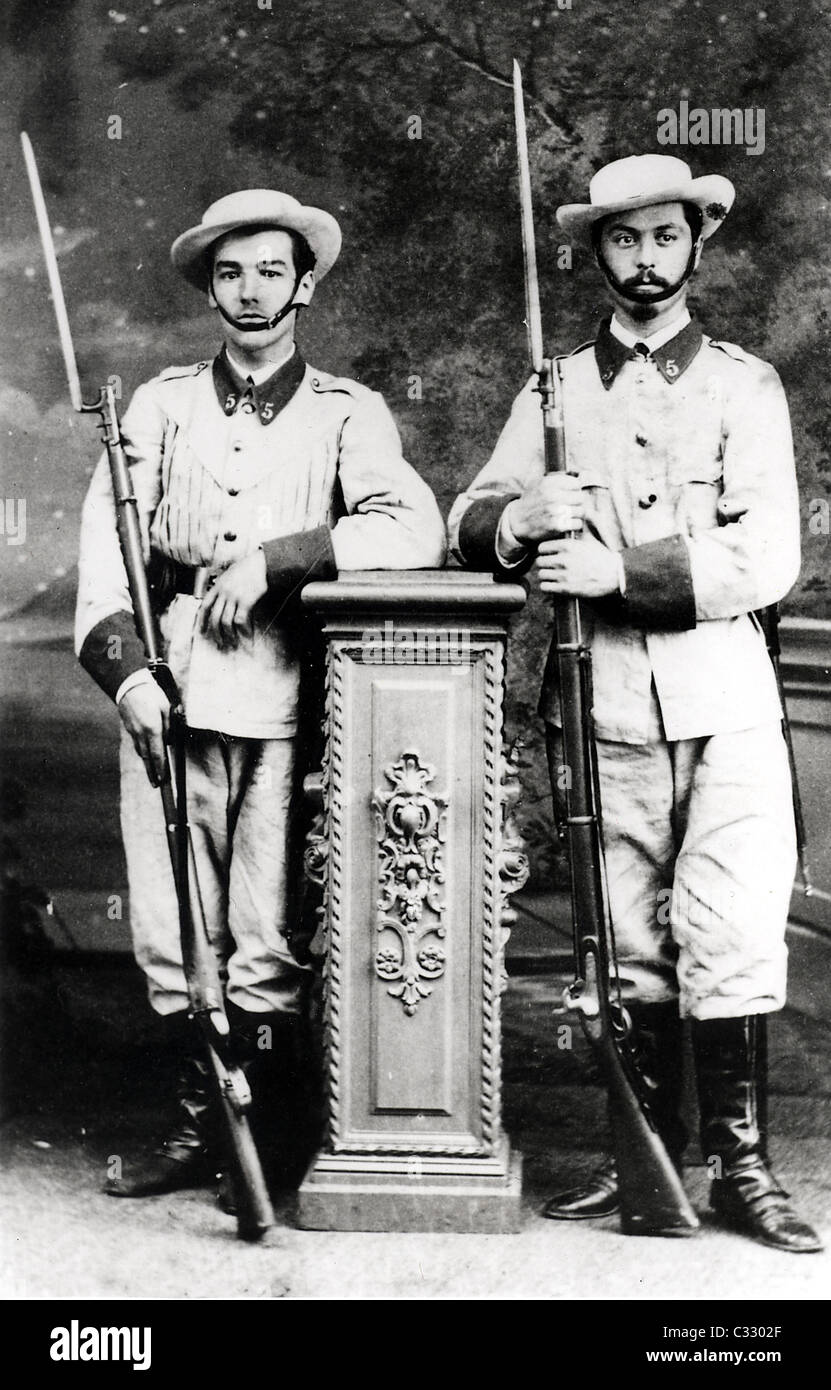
x=700, y=860
x=239, y=807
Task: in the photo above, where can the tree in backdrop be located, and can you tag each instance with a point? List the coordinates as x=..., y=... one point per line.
x=405, y=109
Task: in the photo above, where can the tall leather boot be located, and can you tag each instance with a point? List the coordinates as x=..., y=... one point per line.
x=657, y=1040
x=731, y=1090
x=184, y=1156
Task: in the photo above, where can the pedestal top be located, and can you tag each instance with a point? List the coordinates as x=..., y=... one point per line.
x=442, y=591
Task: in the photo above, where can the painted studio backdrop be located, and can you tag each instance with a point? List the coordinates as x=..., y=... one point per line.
x=397, y=117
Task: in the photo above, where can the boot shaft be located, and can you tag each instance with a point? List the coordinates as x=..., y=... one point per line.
x=658, y=1046
x=731, y=1075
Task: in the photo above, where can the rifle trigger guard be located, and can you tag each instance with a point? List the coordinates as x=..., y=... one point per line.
x=621, y=1023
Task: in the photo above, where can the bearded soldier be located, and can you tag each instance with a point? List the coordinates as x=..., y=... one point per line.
x=254, y=473
x=682, y=491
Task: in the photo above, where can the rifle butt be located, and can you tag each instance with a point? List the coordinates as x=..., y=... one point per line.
x=652, y=1198
x=253, y=1204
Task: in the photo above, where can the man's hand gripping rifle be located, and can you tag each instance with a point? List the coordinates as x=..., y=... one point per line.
x=652, y=1199
x=254, y=1213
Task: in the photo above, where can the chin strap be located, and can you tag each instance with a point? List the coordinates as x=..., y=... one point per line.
x=268, y=324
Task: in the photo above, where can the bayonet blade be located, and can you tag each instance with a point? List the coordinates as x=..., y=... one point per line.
x=533, y=316
x=51, y=259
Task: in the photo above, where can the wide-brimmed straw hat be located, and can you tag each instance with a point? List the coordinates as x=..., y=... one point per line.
x=641, y=180
x=256, y=207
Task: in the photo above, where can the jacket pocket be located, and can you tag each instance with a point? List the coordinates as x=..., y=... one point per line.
x=593, y=479
x=601, y=516
x=700, y=484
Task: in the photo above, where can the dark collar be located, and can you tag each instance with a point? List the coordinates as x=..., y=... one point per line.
x=672, y=359
x=269, y=398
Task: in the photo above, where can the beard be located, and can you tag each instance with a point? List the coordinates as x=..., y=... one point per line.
x=646, y=292
x=643, y=310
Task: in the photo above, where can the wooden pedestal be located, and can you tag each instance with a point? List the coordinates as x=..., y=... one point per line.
x=416, y=854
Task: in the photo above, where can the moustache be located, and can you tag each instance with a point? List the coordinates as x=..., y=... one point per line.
x=646, y=278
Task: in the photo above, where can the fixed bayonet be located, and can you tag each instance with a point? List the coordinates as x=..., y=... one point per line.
x=51, y=258
x=533, y=315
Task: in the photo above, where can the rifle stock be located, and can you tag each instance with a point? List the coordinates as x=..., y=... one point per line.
x=652, y=1199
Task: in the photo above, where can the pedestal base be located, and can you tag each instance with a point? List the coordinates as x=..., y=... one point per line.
x=352, y=1192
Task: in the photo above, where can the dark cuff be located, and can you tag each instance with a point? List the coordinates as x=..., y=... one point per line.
x=659, y=587
x=292, y=561
x=478, y=533
x=112, y=651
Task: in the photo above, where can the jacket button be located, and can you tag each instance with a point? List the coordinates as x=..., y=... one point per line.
x=237, y=448
x=640, y=439
x=233, y=492
x=230, y=536
x=643, y=502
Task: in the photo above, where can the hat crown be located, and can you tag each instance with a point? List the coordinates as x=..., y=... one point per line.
x=250, y=209
x=642, y=181
x=260, y=204
x=639, y=176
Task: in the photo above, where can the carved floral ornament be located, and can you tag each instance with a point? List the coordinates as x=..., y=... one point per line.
x=411, y=829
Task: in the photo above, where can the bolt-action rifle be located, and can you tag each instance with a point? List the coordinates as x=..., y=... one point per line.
x=652, y=1199
x=254, y=1213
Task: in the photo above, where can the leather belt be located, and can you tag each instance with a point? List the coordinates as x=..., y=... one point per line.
x=169, y=577
x=192, y=580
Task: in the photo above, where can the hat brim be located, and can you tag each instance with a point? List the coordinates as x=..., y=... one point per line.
x=320, y=230
x=712, y=194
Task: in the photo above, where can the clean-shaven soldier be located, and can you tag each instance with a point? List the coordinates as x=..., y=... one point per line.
x=681, y=487
x=255, y=473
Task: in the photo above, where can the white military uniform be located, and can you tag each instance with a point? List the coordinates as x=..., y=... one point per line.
x=309, y=467
x=686, y=463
